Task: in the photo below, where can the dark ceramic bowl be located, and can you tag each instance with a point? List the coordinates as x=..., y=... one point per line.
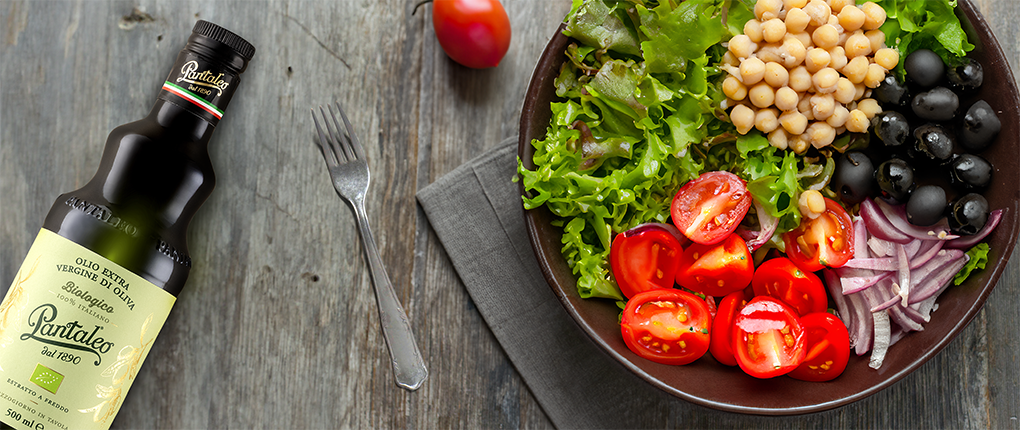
x=708, y=383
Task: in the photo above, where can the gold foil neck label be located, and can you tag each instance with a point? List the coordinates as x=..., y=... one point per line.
x=206, y=78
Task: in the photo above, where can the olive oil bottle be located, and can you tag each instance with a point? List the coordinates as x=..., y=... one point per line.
x=105, y=269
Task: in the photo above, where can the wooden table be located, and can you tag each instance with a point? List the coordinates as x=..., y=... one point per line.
x=278, y=327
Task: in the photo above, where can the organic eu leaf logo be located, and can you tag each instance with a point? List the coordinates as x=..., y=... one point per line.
x=47, y=378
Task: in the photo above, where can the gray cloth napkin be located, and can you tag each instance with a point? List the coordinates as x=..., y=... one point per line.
x=477, y=214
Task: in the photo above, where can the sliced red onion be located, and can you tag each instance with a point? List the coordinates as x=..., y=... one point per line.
x=903, y=272
x=882, y=264
x=897, y=216
x=865, y=325
x=929, y=249
x=879, y=225
x=936, y=280
x=882, y=339
x=857, y=284
x=964, y=242
x=768, y=225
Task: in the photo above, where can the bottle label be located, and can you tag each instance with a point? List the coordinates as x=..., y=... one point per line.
x=74, y=330
x=201, y=86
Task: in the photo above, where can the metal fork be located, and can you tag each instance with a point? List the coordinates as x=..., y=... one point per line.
x=348, y=170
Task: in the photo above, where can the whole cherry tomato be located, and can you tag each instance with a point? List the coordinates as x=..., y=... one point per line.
x=721, y=346
x=780, y=278
x=666, y=326
x=827, y=240
x=474, y=33
x=828, y=348
x=716, y=270
x=768, y=339
x=708, y=208
x=645, y=258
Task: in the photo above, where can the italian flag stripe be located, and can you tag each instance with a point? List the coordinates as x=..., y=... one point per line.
x=198, y=101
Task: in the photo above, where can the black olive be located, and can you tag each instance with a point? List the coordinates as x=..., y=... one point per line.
x=891, y=128
x=854, y=177
x=968, y=214
x=933, y=142
x=966, y=77
x=980, y=126
x=926, y=205
x=890, y=92
x=937, y=104
x=924, y=67
x=969, y=171
x=895, y=179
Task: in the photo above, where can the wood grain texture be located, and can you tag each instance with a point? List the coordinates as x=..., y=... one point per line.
x=277, y=327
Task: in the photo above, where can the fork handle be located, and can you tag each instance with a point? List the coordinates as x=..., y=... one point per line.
x=408, y=365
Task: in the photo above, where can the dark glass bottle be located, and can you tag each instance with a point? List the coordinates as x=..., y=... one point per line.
x=112, y=256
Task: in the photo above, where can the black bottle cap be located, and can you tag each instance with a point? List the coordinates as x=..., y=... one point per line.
x=217, y=42
x=226, y=37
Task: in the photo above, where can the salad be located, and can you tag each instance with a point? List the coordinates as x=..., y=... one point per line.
x=660, y=178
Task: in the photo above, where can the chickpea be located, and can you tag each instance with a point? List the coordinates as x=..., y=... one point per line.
x=765, y=10
x=761, y=95
x=752, y=70
x=819, y=12
x=771, y=52
x=811, y=203
x=804, y=107
x=741, y=46
x=796, y=20
x=804, y=38
x=856, y=69
x=857, y=45
x=876, y=38
x=729, y=59
x=870, y=107
x=839, y=116
x=786, y=99
x=851, y=18
x=752, y=29
x=875, y=75
x=800, y=79
x=825, y=36
x=820, y=134
x=874, y=16
x=844, y=93
x=793, y=122
x=857, y=122
x=817, y=59
x=837, y=58
x=798, y=144
x=773, y=30
x=888, y=58
x=825, y=80
x=822, y=106
x=742, y=117
x=766, y=120
x=791, y=4
x=778, y=138
x=776, y=75
x=733, y=88
x=838, y=5
x=793, y=52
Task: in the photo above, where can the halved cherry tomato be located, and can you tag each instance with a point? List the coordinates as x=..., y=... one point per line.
x=708, y=208
x=782, y=279
x=828, y=348
x=716, y=270
x=768, y=339
x=474, y=33
x=721, y=346
x=827, y=240
x=644, y=258
x=666, y=326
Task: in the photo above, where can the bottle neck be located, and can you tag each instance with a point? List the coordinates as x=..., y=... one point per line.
x=182, y=122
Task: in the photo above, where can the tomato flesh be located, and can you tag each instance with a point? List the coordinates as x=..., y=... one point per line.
x=783, y=280
x=710, y=207
x=716, y=270
x=644, y=258
x=827, y=240
x=667, y=326
x=768, y=339
x=474, y=33
x=721, y=346
x=828, y=348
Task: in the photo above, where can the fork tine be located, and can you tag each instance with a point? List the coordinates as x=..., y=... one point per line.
x=329, y=155
x=355, y=143
x=343, y=132
x=336, y=137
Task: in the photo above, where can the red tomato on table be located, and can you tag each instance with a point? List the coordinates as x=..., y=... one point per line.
x=716, y=270
x=828, y=348
x=644, y=258
x=721, y=346
x=708, y=208
x=474, y=33
x=768, y=339
x=666, y=326
x=824, y=241
x=781, y=279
